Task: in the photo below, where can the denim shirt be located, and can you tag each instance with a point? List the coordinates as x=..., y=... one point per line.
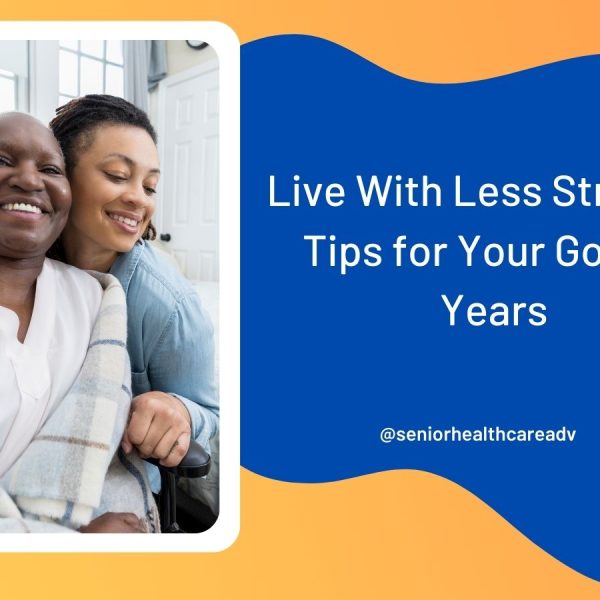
x=169, y=339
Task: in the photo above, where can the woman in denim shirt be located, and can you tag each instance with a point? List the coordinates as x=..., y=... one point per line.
x=112, y=164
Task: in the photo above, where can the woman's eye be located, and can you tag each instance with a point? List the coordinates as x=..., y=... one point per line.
x=4, y=162
x=149, y=190
x=116, y=177
x=51, y=170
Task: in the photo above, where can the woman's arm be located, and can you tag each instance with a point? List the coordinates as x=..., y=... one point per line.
x=183, y=399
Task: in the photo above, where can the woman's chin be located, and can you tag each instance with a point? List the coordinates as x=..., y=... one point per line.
x=23, y=247
x=119, y=241
x=124, y=246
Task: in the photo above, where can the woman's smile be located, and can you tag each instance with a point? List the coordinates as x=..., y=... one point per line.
x=126, y=221
x=24, y=206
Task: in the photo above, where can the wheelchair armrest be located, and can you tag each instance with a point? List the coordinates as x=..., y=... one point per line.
x=196, y=463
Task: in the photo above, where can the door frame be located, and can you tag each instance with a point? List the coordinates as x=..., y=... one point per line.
x=198, y=70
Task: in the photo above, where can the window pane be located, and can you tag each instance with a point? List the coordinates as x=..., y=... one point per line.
x=68, y=44
x=114, y=51
x=67, y=73
x=93, y=47
x=7, y=94
x=91, y=80
x=114, y=80
x=63, y=100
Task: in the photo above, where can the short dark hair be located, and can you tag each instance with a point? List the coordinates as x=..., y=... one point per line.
x=76, y=122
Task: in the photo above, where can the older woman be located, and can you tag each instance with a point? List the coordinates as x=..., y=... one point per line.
x=34, y=205
x=64, y=406
x=112, y=164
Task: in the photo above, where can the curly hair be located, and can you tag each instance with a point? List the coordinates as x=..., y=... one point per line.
x=76, y=122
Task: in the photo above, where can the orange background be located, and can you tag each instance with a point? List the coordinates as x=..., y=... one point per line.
x=400, y=534
x=430, y=40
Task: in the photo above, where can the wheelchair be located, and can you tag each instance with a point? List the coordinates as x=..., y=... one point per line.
x=179, y=512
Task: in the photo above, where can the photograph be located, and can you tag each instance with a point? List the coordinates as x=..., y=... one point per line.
x=109, y=329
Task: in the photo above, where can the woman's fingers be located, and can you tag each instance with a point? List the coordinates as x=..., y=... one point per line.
x=126, y=443
x=144, y=431
x=173, y=447
x=159, y=427
x=115, y=523
x=133, y=522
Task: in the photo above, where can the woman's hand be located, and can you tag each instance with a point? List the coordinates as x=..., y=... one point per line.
x=114, y=523
x=159, y=427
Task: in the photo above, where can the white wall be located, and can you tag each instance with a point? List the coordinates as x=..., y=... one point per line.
x=180, y=57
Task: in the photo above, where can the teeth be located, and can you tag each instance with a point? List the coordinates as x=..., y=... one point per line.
x=126, y=220
x=22, y=208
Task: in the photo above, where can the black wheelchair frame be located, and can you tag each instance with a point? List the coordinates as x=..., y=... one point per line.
x=196, y=463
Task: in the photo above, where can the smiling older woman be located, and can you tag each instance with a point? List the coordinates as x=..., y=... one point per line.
x=34, y=205
x=61, y=417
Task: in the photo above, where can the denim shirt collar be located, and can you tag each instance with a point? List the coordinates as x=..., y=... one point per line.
x=126, y=263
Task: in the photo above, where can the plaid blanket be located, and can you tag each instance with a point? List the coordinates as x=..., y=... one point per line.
x=72, y=471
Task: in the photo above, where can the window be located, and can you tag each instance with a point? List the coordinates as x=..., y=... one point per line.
x=90, y=67
x=8, y=91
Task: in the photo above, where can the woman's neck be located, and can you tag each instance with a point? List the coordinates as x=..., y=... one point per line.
x=85, y=253
x=17, y=288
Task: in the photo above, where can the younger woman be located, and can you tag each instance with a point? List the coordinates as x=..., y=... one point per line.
x=112, y=164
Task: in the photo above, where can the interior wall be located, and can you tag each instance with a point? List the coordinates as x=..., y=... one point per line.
x=179, y=58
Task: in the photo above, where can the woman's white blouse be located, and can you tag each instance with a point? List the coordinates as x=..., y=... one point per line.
x=36, y=374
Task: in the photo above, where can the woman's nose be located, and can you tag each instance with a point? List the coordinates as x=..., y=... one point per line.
x=27, y=178
x=136, y=196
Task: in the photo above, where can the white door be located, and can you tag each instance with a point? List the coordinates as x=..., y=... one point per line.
x=188, y=207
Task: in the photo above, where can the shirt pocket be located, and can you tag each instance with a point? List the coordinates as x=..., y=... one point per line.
x=139, y=383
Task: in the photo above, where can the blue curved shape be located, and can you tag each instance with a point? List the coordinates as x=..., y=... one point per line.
x=331, y=359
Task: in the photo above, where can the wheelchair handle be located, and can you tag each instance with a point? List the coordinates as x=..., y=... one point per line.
x=196, y=463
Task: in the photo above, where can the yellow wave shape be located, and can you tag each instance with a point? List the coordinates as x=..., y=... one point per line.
x=427, y=40
x=397, y=534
